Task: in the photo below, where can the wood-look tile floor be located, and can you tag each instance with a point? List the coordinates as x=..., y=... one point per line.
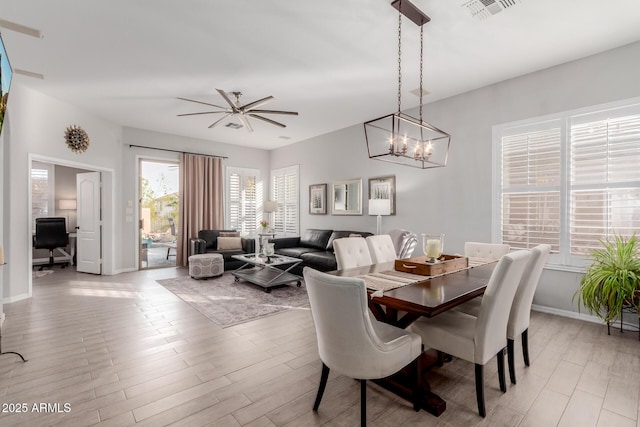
x=122, y=350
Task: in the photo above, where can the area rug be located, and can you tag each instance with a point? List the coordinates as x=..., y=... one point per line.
x=37, y=274
x=229, y=303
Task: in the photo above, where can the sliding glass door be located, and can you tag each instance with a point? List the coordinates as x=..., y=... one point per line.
x=158, y=189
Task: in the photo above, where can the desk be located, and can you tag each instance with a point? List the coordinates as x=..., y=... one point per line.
x=428, y=298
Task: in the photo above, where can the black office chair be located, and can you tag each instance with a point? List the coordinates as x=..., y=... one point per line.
x=51, y=233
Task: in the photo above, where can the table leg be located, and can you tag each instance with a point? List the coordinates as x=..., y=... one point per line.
x=403, y=384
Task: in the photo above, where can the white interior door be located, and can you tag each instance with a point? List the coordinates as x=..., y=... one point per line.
x=89, y=240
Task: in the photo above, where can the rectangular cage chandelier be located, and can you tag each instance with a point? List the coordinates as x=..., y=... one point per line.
x=398, y=137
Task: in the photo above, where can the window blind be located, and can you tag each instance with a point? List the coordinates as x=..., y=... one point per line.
x=570, y=180
x=531, y=188
x=243, y=198
x=284, y=190
x=604, y=179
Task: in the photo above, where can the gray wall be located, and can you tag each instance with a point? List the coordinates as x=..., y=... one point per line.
x=457, y=200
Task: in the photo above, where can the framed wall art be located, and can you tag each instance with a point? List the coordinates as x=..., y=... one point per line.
x=318, y=199
x=384, y=187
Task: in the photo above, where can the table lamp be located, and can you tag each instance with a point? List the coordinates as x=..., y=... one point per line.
x=379, y=207
x=67, y=205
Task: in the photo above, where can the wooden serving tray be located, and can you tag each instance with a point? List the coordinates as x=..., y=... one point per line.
x=419, y=265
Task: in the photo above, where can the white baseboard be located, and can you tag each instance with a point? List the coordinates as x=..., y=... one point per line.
x=124, y=270
x=15, y=298
x=581, y=316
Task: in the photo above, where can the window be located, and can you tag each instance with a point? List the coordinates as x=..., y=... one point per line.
x=284, y=190
x=42, y=191
x=244, y=199
x=570, y=180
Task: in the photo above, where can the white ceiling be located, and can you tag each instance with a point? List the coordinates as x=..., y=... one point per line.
x=335, y=62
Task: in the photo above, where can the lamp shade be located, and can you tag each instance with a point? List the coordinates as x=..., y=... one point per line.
x=67, y=205
x=379, y=207
x=269, y=206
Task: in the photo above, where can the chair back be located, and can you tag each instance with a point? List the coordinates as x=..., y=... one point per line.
x=381, y=248
x=51, y=233
x=485, y=250
x=521, y=307
x=347, y=340
x=404, y=241
x=351, y=252
x=491, y=327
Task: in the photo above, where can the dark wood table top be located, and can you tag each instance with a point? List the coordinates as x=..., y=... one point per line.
x=429, y=297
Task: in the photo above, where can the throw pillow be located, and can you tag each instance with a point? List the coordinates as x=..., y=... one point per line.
x=355, y=235
x=225, y=243
x=229, y=234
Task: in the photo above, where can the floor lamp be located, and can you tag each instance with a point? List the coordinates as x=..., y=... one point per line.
x=379, y=207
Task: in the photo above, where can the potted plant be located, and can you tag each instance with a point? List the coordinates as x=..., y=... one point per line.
x=612, y=281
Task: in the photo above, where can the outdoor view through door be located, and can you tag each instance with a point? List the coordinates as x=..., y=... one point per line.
x=158, y=184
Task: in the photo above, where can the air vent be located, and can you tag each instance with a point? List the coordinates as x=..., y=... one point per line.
x=483, y=9
x=233, y=125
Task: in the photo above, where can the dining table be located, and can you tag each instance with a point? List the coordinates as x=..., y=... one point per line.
x=427, y=296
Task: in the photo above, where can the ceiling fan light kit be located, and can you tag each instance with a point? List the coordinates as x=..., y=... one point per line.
x=397, y=137
x=237, y=109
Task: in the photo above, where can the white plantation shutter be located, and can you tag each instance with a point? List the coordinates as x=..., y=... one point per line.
x=605, y=177
x=570, y=181
x=244, y=197
x=284, y=191
x=531, y=187
x=42, y=192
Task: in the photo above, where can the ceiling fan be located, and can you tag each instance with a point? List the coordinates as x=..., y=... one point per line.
x=242, y=111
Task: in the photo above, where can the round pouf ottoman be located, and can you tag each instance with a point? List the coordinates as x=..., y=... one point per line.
x=203, y=266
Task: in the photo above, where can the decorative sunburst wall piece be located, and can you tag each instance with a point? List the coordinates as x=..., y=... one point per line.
x=77, y=139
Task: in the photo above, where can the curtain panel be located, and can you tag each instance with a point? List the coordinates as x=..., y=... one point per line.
x=201, y=200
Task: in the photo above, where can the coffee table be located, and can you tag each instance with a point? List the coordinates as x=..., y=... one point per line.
x=263, y=271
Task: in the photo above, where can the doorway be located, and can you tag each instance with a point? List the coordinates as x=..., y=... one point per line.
x=158, y=188
x=68, y=192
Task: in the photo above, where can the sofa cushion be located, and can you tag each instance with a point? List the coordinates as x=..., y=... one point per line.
x=295, y=252
x=339, y=234
x=227, y=253
x=211, y=237
x=229, y=243
x=229, y=234
x=314, y=238
x=322, y=260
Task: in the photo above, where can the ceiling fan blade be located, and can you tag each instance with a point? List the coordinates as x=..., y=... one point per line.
x=291, y=113
x=204, y=112
x=257, y=103
x=214, y=124
x=223, y=94
x=245, y=122
x=200, y=102
x=273, y=122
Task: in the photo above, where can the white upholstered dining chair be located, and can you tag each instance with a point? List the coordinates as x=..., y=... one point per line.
x=350, y=342
x=479, y=339
x=351, y=252
x=485, y=250
x=520, y=313
x=404, y=242
x=381, y=248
